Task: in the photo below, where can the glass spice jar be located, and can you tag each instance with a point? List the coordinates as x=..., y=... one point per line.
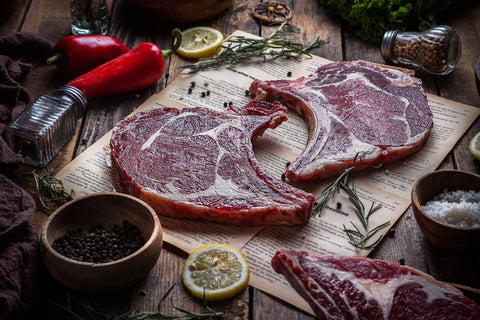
x=436, y=50
x=38, y=133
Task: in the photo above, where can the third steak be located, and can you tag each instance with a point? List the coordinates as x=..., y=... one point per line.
x=339, y=288
x=354, y=110
x=199, y=164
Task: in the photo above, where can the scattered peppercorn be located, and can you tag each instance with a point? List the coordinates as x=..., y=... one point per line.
x=189, y=90
x=208, y=92
x=283, y=177
x=192, y=84
x=401, y=261
x=287, y=164
x=289, y=73
x=391, y=233
x=230, y=103
x=203, y=94
x=247, y=93
x=225, y=105
x=100, y=245
x=339, y=205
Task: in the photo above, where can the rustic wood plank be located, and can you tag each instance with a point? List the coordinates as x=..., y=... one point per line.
x=12, y=14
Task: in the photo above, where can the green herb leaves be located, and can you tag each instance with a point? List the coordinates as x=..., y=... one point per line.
x=281, y=43
x=49, y=190
x=358, y=237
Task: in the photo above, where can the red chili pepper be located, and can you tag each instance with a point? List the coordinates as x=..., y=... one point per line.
x=137, y=69
x=76, y=55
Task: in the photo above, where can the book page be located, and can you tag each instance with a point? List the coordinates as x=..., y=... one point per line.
x=388, y=186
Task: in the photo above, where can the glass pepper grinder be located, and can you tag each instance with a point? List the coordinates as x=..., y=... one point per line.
x=436, y=50
x=44, y=127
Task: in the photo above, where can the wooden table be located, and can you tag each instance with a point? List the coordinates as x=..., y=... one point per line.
x=405, y=243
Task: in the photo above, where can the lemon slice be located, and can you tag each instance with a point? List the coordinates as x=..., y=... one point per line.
x=475, y=146
x=200, y=42
x=219, y=270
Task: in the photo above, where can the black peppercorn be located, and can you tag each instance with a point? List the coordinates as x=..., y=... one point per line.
x=100, y=245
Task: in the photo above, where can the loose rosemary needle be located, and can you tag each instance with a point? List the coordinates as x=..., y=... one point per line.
x=281, y=43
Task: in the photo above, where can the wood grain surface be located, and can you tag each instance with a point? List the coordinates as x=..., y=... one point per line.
x=405, y=243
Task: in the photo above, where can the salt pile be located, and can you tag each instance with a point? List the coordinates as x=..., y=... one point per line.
x=459, y=208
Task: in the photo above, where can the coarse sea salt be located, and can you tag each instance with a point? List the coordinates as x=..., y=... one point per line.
x=459, y=208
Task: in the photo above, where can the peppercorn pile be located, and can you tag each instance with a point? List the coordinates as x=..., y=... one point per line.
x=100, y=245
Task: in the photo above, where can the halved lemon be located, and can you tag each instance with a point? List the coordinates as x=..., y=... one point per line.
x=475, y=146
x=200, y=42
x=218, y=270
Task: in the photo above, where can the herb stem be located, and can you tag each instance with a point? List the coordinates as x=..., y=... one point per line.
x=356, y=237
x=241, y=49
x=86, y=309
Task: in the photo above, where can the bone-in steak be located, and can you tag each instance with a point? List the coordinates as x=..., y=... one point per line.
x=198, y=163
x=339, y=288
x=352, y=108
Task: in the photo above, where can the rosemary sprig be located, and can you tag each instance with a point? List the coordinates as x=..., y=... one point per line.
x=334, y=186
x=86, y=309
x=281, y=43
x=357, y=237
x=49, y=190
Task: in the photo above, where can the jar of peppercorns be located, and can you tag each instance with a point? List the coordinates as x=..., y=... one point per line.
x=436, y=50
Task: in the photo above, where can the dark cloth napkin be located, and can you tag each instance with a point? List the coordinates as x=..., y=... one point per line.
x=20, y=264
x=20, y=52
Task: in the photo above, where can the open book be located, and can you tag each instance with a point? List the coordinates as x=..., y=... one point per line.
x=389, y=185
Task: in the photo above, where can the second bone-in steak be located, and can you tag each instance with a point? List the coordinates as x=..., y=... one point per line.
x=198, y=163
x=354, y=110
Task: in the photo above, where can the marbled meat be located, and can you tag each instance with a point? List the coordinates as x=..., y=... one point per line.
x=354, y=110
x=199, y=164
x=339, y=288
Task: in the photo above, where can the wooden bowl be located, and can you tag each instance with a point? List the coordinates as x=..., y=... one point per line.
x=104, y=209
x=441, y=235
x=179, y=11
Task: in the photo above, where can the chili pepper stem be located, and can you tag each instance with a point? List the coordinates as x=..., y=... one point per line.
x=55, y=58
x=176, y=41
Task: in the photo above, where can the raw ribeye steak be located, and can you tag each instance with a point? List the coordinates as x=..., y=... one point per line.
x=352, y=108
x=339, y=288
x=198, y=163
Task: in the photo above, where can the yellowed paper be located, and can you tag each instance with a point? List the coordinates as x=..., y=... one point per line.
x=389, y=185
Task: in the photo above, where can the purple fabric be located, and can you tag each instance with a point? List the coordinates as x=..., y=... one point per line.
x=20, y=263
x=20, y=52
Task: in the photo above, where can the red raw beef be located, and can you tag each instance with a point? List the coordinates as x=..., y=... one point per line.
x=352, y=108
x=198, y=163
x=339, y=288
